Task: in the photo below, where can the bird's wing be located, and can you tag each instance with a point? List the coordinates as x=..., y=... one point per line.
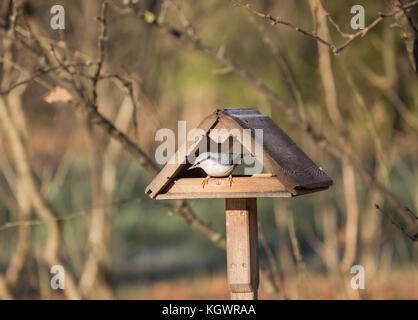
x=236, y=158
x=202, y=157
x=227, y=158
x=222, y=158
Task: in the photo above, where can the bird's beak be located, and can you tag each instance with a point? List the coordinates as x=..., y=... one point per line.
x=194, y=166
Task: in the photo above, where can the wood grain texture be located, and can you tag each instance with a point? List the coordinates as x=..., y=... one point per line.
x=242, y=248
x=222, y=185
x=243, y=296
x=170, y=170
x=281, y=156
x=177, y=196
x=256, y=186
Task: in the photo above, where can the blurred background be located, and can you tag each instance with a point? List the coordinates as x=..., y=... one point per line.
x=71, y=195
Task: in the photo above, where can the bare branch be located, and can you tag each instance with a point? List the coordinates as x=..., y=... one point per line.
x=101, y=47
x=37, y=201
x=272, y=262
x=69, y=216
x=278, y=20
x=335, y=49
x=413, y=237
x=41, y=72
x=409, y=31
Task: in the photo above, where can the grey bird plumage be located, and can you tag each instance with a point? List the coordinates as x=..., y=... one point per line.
x=217, y=165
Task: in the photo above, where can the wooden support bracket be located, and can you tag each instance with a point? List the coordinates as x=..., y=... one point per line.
x=242, y=248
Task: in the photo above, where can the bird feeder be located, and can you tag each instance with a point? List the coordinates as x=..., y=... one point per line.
x=289, y=172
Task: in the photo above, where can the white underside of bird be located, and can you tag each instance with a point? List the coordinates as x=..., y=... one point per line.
x=217, y=164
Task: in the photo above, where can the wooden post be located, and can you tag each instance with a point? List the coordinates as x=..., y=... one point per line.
x=242, y=248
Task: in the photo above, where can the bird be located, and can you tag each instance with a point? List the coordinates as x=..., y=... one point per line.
x=216, y=164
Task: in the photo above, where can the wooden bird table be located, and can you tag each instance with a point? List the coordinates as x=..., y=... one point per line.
x=290, y=173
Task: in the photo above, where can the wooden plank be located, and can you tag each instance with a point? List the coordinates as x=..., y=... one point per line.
x=281, y=156
x=177, y=196
x=242, y=248
x=170, y=170
x=255, y=186
x=213, y=195
x=222, y=185
x=243, y=296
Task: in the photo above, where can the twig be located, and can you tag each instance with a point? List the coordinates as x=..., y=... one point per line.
x=70, y=216
x=335, y=49
x=278, y=20
x=408, y=31
x=284, y=66
x=380, y=17
x=40, y=73
x=272, y=261
x=295, y=244
x=34, y=77
x=101, y=47
x=338, y=28
x=96, y=118
x=128, y=85
x=413, y=237
x=186, y=23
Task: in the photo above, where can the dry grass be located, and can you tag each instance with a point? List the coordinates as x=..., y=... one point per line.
x=401, y=284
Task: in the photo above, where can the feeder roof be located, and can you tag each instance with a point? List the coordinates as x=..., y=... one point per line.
x=296, y=173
